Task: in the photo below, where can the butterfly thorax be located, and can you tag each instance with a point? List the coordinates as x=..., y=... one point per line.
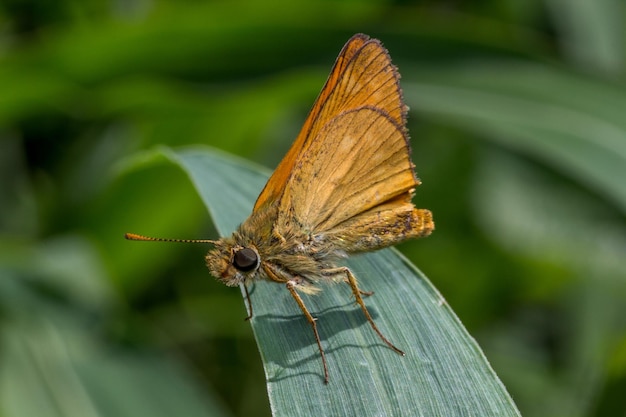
x=260, y=250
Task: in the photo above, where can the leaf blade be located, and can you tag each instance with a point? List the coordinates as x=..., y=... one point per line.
x=444, y=372
x=569, y=122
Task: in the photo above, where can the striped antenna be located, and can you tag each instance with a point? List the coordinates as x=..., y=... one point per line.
x=133, y=236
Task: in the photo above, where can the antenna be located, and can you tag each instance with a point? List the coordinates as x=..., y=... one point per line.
x=133, y=236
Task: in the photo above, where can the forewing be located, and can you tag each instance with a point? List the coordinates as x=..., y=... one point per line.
x=362, y=76
x=358, y=160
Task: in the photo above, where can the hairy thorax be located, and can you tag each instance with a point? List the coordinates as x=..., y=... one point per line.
x=282, y=254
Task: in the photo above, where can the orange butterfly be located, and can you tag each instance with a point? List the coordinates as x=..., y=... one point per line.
x=345, y=186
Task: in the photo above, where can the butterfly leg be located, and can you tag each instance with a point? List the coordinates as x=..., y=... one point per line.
x=363, y=292
x=291, y=286
x=356, y=291
x=248, y=302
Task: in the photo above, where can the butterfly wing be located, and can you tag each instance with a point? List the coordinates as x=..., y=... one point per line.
x=356, y=155
x=358, y=161
x=362, y=75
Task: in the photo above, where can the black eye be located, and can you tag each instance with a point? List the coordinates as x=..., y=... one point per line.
x=245, y=259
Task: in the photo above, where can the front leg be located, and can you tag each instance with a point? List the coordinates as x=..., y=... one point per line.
x=248, y=301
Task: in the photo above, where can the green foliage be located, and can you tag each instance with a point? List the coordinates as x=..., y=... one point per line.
x=518, y=135
x=443, y=370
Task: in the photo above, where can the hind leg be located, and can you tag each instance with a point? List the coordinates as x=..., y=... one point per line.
x=351, y=280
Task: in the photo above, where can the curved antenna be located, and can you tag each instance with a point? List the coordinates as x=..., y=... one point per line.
x=133, y=236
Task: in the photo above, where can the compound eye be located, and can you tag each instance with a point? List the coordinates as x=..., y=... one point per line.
x=245, y=259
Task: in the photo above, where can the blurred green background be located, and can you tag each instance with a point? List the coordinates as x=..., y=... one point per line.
x=518, y=125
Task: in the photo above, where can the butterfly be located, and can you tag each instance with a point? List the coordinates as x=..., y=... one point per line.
x=345, y=186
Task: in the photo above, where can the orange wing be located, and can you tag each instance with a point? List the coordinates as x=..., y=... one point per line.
x=362, y=76
x=358, y=161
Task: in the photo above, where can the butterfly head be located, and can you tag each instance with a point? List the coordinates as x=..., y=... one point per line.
x=231, y=263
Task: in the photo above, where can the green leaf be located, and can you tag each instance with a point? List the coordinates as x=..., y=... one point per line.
x=572, y=123
x=56, y=360
x=444, y=372
x=52, y=367
x=591, y=33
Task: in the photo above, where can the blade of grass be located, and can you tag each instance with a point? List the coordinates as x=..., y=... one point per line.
x=444, y=372
x=570, y=122
x=55, y=360
x=590, y=33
